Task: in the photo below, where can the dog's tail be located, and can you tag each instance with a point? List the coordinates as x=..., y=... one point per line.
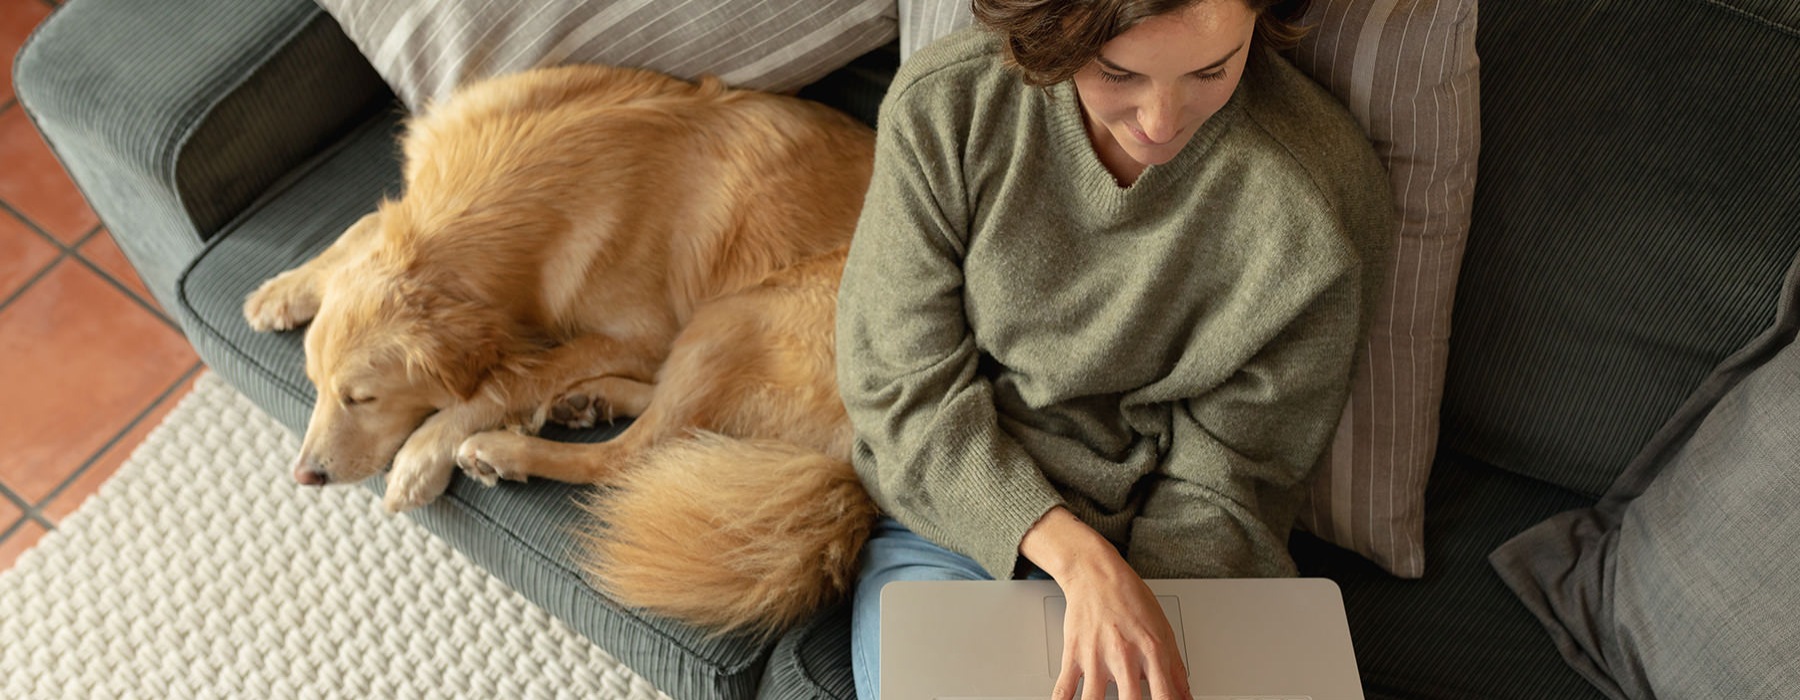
x=730, y=535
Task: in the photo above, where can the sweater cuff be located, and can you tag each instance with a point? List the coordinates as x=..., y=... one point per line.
x=999, y=510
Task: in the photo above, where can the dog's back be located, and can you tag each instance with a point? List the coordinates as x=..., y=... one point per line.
x=608, y=190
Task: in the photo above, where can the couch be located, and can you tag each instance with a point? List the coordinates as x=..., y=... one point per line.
x=1638, y=201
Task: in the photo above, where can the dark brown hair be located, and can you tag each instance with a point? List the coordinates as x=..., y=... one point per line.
x=1051, y=40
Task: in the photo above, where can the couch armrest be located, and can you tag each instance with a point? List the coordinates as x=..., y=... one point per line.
x=174, y=116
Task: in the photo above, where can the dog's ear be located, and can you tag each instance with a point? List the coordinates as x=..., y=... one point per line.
x=471, y=342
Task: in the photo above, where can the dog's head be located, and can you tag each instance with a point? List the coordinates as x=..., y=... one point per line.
x=392, y=343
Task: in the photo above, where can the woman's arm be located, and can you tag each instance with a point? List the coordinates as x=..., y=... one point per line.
x=1227, y=488
x=1114, y=629
x=929, y=447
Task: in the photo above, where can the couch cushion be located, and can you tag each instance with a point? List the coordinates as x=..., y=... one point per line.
x=424, y=49
x=1458, y=632
x=813, y=661
x=1680, y=583
x=521, y=533
x=1638, y=200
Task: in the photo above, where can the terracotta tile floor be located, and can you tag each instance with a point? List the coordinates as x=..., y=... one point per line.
x=88, y=362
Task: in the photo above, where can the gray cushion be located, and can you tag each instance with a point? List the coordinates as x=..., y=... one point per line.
x=1638, y=200
x=1457, y=633
x=1681, y=582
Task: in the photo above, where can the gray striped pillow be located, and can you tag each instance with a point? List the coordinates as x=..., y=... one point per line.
x=424, y=49
x=1407, y=70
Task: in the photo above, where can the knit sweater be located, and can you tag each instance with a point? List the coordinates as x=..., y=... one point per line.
x=1167, y=360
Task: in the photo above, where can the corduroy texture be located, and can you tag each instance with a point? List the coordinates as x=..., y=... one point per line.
x=1679, y=583
x=172, y=116
x=201, y=570
x=1456, y=633
x=813, y=661
x=426, y=48
x=1407, y=70
x=1639, y=200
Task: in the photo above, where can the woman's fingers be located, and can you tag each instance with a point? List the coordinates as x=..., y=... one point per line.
x=1093, y=685
x=1067, y=678
x=1168, y=677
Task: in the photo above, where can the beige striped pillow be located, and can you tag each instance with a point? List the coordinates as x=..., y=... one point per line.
x=1407, y=70
x=425, y=48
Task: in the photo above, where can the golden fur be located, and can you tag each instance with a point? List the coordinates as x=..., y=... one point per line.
x=579, y=243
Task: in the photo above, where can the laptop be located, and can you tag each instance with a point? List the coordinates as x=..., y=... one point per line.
x=1255, y=639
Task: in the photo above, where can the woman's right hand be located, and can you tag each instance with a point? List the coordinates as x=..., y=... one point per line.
x=1114, y=630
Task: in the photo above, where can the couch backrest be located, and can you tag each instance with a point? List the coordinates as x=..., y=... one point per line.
x=1637, y=202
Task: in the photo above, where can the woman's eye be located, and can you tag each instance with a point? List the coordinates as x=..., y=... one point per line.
x=1116, y=77
x=1215, y=75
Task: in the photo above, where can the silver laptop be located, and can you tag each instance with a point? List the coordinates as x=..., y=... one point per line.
x=1261, y=639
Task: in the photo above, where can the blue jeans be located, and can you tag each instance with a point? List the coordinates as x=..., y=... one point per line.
x=895, y=553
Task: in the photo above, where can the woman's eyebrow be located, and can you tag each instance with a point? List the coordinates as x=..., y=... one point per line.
x=1116, y=68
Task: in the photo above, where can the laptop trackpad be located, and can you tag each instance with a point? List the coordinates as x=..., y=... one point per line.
x=1055, y=606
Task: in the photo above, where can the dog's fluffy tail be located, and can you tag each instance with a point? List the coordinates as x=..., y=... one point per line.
x=730, y=535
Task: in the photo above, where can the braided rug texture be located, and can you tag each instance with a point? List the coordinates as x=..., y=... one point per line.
x=200, y=570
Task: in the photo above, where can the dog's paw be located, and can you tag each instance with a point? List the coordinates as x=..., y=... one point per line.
x=421, y=473
x=577, y=409
x=486, y=457
x=284, y=303
x=407, y=490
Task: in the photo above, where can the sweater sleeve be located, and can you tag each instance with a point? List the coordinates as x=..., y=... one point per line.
x=929, y=446
x=1225, y=495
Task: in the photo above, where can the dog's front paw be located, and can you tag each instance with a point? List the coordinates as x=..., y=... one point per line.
x=421, y=473
x=488, y=457
x=283, y=303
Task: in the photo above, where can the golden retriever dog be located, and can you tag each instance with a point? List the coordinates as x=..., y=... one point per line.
x=579, y=243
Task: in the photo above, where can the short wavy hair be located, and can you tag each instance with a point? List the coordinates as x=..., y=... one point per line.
x=1049, y=41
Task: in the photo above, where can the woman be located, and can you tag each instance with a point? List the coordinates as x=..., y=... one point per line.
x=1100, y=312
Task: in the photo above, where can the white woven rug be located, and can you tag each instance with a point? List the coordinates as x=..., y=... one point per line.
x=202, y=571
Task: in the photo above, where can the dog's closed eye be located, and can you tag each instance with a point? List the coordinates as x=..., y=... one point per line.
x=351, y=399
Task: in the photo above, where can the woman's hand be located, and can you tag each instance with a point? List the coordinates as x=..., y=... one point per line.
x=1114, y=630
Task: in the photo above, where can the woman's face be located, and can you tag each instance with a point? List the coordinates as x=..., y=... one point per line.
x=1153, y=86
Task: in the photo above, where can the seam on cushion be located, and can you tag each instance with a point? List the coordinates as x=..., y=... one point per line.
x=219, y=88
x=554, y=564
x=1759, y=19
x=800, y=663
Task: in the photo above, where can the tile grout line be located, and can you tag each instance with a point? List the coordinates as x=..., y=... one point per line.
x=71, y=249
x=41, y=273
x=36, y=511
x=129, y=294
x=13, y=529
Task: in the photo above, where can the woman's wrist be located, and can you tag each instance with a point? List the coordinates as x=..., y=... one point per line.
x=1068, y=549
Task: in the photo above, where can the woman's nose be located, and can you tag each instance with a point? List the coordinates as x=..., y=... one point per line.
x=1160, y=118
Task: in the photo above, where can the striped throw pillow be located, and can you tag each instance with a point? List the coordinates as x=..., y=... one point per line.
x=1407, y=70
x=424, y=49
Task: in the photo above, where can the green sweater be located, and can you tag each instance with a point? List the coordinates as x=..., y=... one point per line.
x=1168, y=360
